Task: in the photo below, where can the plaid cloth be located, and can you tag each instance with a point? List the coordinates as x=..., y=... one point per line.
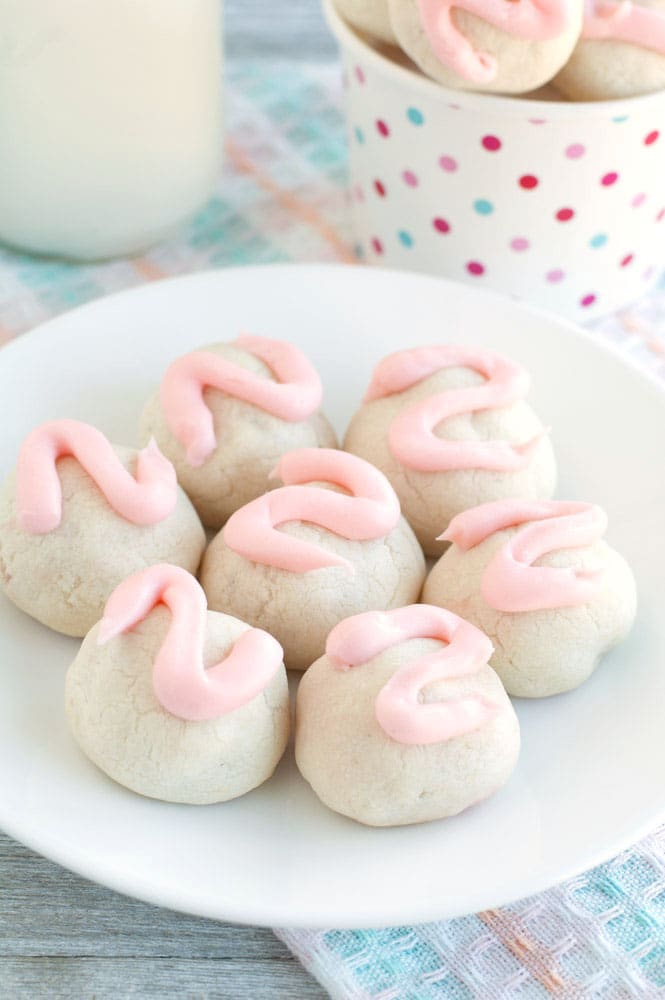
x=281, y=197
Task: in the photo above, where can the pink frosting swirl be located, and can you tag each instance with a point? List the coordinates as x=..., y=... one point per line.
x=625, y=22
x=412, y=437
x=398, y=708
x=295, y=396
x=146, y=499
x=372, y=511
x=182, y=684
x=511, y=582
x=532, y=20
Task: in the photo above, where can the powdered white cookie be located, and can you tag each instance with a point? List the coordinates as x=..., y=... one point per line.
x=65, y=546
x=370, y=16
x=545, y=587
x=116, y=716
x=488, y=45
x=621, y=52
x=392, y=728
x=450, y=429
x=226, y=413
x=301, y=558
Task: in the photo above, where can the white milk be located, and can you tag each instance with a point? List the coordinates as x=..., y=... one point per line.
x=110, y=121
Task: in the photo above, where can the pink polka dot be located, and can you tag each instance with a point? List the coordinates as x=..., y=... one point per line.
x=537, y=121
x=652, y=137
x=377, y=245
x=360, y=76
x=441, y=225
x=609, y=179
x=519, y=244
x=382, y=128
x=661, y=215
x=358, y=193
x=448, y=164
x=475, y=268
x=455, y=107
x=528, y=182
x=565, y=214
x=638, y=200
x=575, y=151
x=491, y=143
x=628, y=259
x=410, y=178
x=587, y=301
x=555, y=276
x=380, y=188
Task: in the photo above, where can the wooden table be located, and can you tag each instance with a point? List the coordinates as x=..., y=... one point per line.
x=63, y=937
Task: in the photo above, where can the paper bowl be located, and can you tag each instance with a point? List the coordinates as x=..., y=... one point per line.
x=557, y=203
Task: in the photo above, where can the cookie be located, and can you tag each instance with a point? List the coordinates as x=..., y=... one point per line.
x=541, y=582
x=501, y=46
x=175, y=702
x=225, y=414
x=79, y=515
x=402, y=720
x=450, y=428
x=303, y=557
x=621, y=52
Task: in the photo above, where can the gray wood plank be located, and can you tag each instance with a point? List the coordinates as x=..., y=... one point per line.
x=293, y=29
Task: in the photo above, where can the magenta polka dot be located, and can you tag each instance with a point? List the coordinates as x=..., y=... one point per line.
x=491, y=143
x=519, y=244
x=575, y=151
x=565, y=214
x=380, y=188
x=609, y=179
x=638, y=200
x=475, y=268
x=555, y=276
x=382, y=128
x=377, y=245
x=587, y=301
x=652, y=137
x=628, y=259
x=661, y=215
x=448, y=164
x=360, y=76
x=441, y=225
x=410, y=178
x=537, y=121
x=528, y=182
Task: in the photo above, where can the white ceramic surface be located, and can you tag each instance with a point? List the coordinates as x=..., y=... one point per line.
x=556, y=203
x=590, y=776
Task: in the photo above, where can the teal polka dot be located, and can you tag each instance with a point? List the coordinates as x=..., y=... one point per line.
x=599, y=240
x=360, y=136
x=406, y=239
x=483, y=207
x=621, y=118
x=415, y=117
x=359, y=251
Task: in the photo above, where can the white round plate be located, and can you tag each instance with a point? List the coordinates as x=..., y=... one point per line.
x=590, y=778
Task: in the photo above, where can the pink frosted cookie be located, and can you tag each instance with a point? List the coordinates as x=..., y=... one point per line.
x=505, y=46
x=402, y=720
x=176, y=702
x=541, y=582
x=450, y=428
x=327, y=544
x=225, y=414
x=369, y=16
x=621, y=52
x=80, y=514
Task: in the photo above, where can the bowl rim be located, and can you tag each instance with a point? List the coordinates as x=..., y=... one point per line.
x=486, y=103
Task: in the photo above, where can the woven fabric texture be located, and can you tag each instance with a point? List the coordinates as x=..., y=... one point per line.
x=281, y=196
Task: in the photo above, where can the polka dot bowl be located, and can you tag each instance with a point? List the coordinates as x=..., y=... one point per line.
x=557, y=203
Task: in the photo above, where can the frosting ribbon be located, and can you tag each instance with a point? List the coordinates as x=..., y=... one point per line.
x=625, y=22
x=182, y=684
x=372, y=510
x=145, y=499
x=532, y=20
x=510, y=581
x=295, y=396
x=411, y=435
x=398, y=708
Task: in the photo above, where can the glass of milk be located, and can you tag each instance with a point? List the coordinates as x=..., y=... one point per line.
x=110, y=121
